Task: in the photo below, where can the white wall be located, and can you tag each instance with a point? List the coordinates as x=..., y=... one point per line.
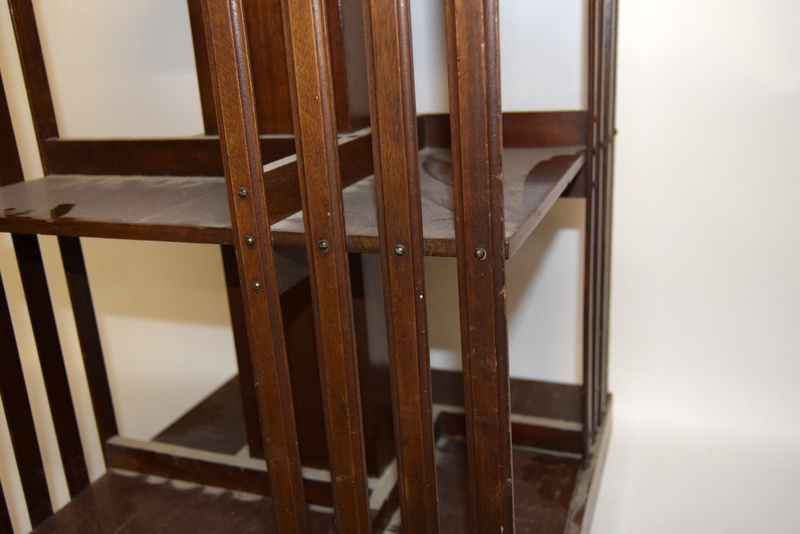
x=705, y=299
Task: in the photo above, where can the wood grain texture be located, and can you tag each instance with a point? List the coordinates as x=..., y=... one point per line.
x=189, y=156
x=34, y=72
x=19, y=420
x=399, y=222
x=473, y=58
x=520, y=129
x=170, y=209
x=236, y=117
x=11, y=169
x=51, y=359
x=533, y=179
x=313, y=108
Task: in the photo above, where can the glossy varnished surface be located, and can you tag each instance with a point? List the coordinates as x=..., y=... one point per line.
x=532, y=181
x=190, y=209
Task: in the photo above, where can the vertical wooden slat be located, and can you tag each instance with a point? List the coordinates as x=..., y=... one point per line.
x=202, y=66
x=20, y=421
x=610, y=46
x=236, y=118
x=476, y=130
x=313, y=109
x=88, y=336
x=236, y=306
x=45, y=332
x=395, y=153
x=232, y=282
x=33, y=69
x=589, y=305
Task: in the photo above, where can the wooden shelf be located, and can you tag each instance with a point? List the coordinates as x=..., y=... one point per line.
x=186, y=209
x=533, y=178
x=552, y=484
x=194, y=209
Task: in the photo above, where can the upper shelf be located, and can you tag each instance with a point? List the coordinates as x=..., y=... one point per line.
x=533, y=178
x=541, y=157
x=191, y=209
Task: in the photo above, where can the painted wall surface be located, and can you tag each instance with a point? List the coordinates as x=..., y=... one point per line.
x=705, y=295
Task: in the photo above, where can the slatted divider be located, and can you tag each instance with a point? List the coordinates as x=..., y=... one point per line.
x=589, y=291
x=19, y=419
x=236, y=117
x=313, y=108
x=397, y=188
x=473, y=59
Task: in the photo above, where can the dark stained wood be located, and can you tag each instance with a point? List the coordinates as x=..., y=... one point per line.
x=202, y=66
x=216, y=424
x=20, y=423
x=473, y=58
x=543, y=486
x=399, y=220
x=528, y=397
x=169, y=209
x=34, y=72
x=191, y=156
x=533, y=179
x=11, y=169
x=520, y=129
x=134, y=503
x=246, y=381
x=311, y=89
x=264, y=27
x=373, y=363
x=348, y=63
x=88, y=336
x=538, y=436
x=43, y=322
x=233, y=91
x=584, y=497
x=219, y=470
x=283, y=188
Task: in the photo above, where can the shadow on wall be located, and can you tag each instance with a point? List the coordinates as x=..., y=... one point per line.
x=544, y=281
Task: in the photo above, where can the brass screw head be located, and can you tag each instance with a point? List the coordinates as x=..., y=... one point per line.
x=256, y=286
x=400, y=250
x=480, y=253
x=249, y=240
x=323, y=245
x=243, y=192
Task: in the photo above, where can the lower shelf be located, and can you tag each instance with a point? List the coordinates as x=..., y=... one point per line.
x=172, y=484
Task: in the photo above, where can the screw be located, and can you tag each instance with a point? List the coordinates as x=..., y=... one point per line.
x=249, y=240
x=323, y=245
x=480, y=253
x=400, y=250
x=243, y=192
x=256, y=286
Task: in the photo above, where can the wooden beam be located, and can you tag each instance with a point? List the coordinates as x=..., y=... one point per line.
x=473, y=58
x=313, y=106
x=236, y=117
x=399, y=210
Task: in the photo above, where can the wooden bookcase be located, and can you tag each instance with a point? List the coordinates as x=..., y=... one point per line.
x=344, y=407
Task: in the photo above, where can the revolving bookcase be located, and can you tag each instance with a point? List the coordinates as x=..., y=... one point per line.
x=325, y=190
